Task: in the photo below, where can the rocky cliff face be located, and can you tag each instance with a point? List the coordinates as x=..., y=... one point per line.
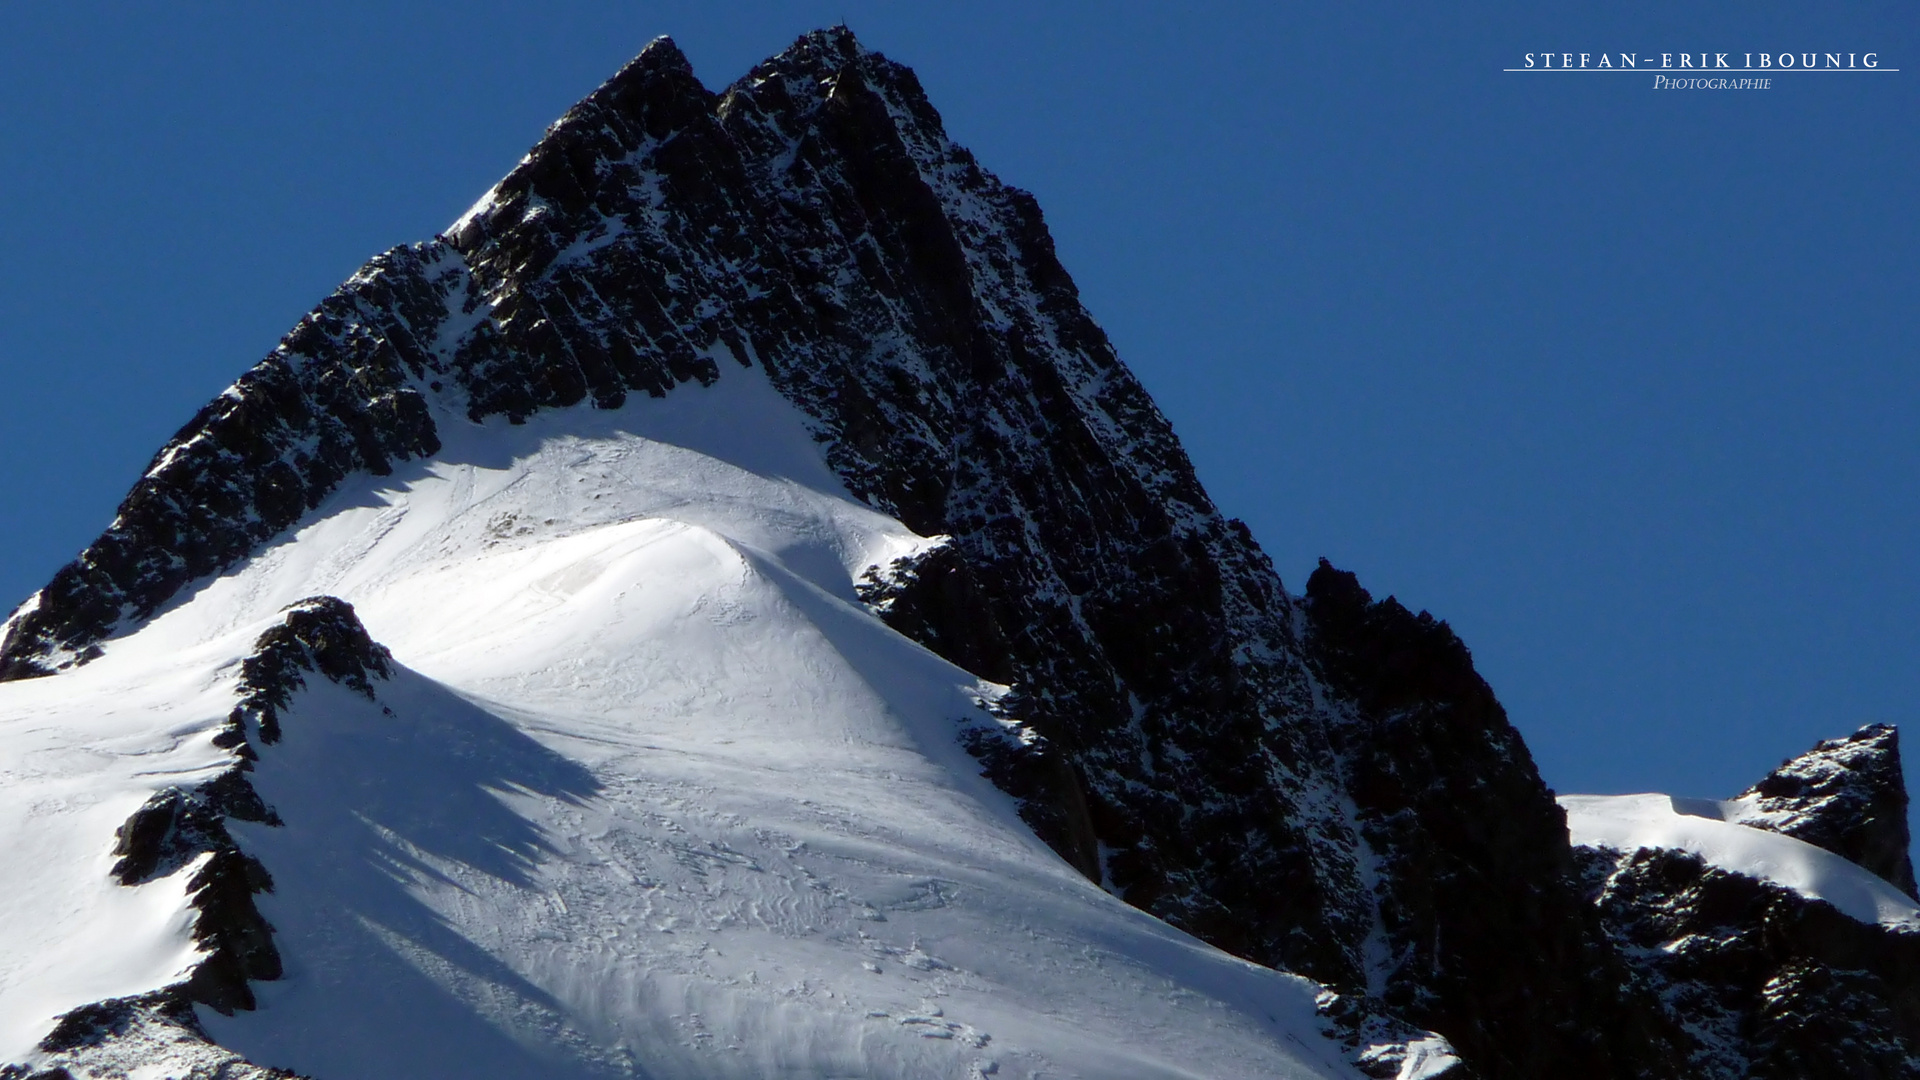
x=1763, y=980
x=1470, y=852
x=1321, y=782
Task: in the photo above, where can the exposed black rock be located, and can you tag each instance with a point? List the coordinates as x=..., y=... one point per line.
x=319, y=634
x=815, y=219
x=1478, y=902
x=1765, y=983
x=1379, y=1043
x=1846, y=795
x=935, y=599
x=178, y=825
x=1053, y=797
x=332, y=399
x=92, y=1024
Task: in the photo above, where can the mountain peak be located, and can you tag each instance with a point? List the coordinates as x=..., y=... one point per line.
x=1847, y=795
x=819, y=52
x=900, y=519
x=662, y=52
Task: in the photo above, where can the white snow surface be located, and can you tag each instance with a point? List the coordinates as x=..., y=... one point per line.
x=650, y=794
x=1711, y=829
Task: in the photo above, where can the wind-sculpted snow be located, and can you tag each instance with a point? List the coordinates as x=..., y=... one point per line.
x=645, y=790
x=81, y=756
x=815, y=219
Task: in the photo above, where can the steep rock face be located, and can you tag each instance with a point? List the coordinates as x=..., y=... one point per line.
x=331, y=400
x=1846, y=795
x=1470, y=852
x=1323, y=785
x=1764, y=982
x=913, y=305
x=815, y=218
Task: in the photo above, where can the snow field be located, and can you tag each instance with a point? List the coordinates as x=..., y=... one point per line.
x=650, y=795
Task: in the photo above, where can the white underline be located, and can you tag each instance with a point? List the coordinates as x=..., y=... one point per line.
x=1705, y=71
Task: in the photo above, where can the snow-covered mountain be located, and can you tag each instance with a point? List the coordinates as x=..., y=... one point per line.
x=639, y=788
x=723, y=609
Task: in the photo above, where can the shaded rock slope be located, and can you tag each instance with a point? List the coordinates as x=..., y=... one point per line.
x=1317, y=782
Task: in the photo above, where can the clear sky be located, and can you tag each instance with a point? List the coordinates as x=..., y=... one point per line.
x=1622, y=382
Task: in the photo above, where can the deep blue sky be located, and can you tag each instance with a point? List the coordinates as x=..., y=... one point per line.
x=1622, y=383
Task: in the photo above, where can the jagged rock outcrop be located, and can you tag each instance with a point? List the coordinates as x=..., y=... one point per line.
x=321, y=635
x=1471, y=850
x=178, y=826
x=935, y=599
x=1319, y=783
x=815, y=218
x=1846, y=795
x=912, y=304
x=331, y=400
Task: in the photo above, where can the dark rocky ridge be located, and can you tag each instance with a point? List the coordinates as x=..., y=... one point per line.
x=138, y=1036
x=178, y=825
x=319, y=635
x=1766, y=983
x=1322, y=784
x=1447, y=794
x=333, y=399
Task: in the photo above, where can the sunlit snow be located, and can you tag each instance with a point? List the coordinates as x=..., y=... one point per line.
x=655, y=796
x=1702, y=827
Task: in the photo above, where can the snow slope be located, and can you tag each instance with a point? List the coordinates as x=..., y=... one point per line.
x=650, y=794
x=1711, y=829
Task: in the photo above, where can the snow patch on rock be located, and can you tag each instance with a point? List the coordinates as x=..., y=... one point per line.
x=1703, y=828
